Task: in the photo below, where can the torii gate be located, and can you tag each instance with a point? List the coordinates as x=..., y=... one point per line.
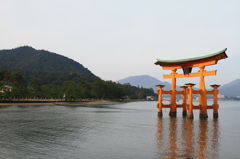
x=186, y=65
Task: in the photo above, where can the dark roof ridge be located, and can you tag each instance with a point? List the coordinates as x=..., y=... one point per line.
x=191, y=59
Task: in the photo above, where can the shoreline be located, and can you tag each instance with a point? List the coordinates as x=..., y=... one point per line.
x=88, y=103
x=63, y=103
x=9, y=104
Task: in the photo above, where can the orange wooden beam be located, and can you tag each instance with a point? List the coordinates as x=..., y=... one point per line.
x=192, y=64
x=195, y=74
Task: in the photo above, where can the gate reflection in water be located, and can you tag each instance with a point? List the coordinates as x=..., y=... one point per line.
x=184, y=138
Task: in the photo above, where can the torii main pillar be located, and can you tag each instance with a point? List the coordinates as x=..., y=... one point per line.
x=186, y=65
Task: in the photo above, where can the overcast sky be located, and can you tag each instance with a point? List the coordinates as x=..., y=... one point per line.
x=116, y=39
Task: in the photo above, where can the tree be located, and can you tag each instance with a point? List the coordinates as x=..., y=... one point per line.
x=20, y=91
x=16, y=79
x=85, y=90
x=35, y=90
x=99, y=89
x=51, y=91
x=70, y=90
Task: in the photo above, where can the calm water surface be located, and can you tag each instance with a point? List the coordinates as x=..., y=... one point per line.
x=130, y=130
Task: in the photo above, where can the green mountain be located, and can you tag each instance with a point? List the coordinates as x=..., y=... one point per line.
x=44, y=66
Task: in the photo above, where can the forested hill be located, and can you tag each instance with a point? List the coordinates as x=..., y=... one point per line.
x=27, y=58
x=31, y=73
x=50, y=67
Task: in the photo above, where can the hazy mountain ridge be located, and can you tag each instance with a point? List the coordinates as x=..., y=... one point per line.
x=231, y=89
x=146, y=81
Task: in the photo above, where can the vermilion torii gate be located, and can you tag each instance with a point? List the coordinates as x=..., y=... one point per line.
x=186, y=65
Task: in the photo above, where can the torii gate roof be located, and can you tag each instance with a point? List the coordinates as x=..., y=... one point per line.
x=196, y=60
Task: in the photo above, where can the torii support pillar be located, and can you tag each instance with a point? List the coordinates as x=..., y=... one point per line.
x=160, y=104
x=215, y=100
x=184, y=101
x=203, y=95
x=173, y=105
x=190, y=101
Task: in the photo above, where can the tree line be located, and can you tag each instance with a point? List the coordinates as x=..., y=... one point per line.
x=70, y=90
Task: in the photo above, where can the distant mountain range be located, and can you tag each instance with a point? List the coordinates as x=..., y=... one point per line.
x=231, y=89
x=146, y=81
x=44, y=66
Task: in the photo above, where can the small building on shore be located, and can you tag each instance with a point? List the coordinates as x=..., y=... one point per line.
x=150, y=98
x=6, y=88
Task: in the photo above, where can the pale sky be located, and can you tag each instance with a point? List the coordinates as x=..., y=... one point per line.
x=116, y=39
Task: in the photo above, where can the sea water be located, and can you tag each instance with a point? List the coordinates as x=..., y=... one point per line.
x=129, y=130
